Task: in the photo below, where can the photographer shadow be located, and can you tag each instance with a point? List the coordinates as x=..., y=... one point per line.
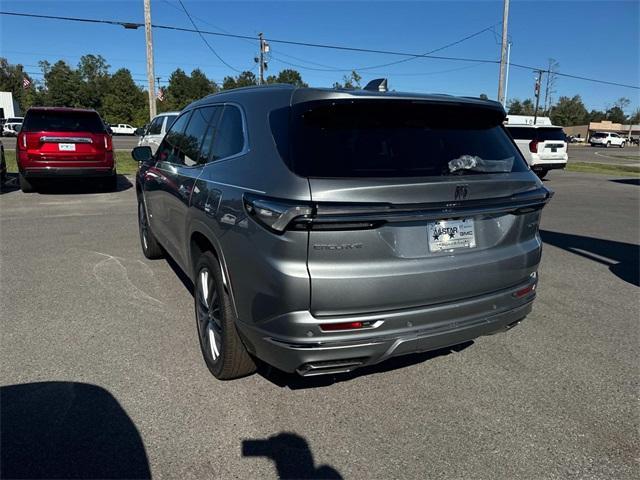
x=67, y=430
x=292, y=457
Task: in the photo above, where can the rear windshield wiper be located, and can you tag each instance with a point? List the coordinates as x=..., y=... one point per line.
x=472, y=163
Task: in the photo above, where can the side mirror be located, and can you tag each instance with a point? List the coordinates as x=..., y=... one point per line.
x=18, y=128
x=139, y=132
x=142, y=154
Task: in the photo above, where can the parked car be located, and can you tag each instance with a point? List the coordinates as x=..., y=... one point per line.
x=64, y=142
x=543, y=147
x=155, y=131
x=122, y=129
x=606, y=139
x=11, y=129
x=328, y=229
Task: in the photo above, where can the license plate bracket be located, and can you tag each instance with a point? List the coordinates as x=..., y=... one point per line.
x=445, y=235
x=67, y=147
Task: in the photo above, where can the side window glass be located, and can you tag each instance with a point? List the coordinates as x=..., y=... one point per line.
x=195, y=134
x=156, y=126
x=207, y=143
x=169, y=149
x=229, y=138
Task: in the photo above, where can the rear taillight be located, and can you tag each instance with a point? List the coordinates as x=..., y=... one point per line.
x=21, y=141
x=533, y=146
x=108, y=145
x=274, y=214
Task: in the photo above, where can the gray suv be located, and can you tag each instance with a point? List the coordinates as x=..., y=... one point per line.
x=325, y=230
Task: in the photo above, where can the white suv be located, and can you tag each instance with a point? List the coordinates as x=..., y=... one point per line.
x=154, y=133
x=544, y=147
x=606, y=139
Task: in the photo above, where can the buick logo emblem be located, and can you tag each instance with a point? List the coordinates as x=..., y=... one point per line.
x=462, y=192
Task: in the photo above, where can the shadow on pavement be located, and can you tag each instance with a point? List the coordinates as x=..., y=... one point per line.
x=183, y=277
x=627, y=181
x=623, y=259
x=10, y=184
x=67, y=186
x=292, y=456
x=67, y=430
x=294, y=381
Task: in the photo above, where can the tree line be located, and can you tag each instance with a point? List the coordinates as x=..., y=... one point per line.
x=116, y=96
x=569, y=111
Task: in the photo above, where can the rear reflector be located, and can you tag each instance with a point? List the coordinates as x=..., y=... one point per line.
x=331, y=327
x=525, y=291
x=533, y=146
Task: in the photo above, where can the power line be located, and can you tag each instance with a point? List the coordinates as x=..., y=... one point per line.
x=133, y=25
x=205, y=40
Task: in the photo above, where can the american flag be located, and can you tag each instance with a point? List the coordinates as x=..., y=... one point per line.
x=160, y=94
x=26, y=83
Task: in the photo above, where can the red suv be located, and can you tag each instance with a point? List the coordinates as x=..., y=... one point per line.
x=64, y=142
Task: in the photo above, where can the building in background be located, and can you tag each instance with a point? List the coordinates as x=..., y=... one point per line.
x=585, y=131
x=9, y=106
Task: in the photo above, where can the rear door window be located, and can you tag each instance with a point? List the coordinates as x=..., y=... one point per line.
x=59, y=121
x=397, y=138
x=169, y=149
x=229, y=138
x=195, y=135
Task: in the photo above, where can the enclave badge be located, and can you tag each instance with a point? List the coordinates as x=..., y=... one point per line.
x=462, y=192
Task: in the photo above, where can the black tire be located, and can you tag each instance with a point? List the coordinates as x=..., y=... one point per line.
x=216, y=322
x=25, y=185
x=150, y=246
x=541, y=173
x=608, y=145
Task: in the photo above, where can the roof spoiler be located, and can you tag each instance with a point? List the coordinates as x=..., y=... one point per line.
x=377, y=85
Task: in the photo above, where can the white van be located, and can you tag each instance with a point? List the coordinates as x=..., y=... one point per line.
x=155, y=131
x=544, y=147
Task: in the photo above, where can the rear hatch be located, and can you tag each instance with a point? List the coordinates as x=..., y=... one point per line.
x=417, y=203
x=552, y=143
x=59, y=137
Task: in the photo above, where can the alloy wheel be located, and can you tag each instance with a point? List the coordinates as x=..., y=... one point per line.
x=209, y=314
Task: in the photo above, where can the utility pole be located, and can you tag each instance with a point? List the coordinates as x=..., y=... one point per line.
x=262, y=65
x=537, y=92
x=546, y=88
x=503, y=52
x=506, y=81
x=150, y=70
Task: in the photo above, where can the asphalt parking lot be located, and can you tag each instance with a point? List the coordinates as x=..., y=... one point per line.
x=101, y=365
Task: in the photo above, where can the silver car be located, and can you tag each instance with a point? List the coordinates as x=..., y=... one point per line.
x=325, y=230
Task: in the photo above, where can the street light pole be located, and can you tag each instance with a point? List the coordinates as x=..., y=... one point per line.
x=503, y=52
x=150, y=69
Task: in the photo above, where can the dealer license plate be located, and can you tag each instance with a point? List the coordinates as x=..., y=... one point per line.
x=67, y=147
x=451, y=234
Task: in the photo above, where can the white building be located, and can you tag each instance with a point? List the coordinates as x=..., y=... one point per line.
x=8, y=106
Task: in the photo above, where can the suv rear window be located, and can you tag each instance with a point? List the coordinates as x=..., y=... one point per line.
x=395, y=138
x=551, y=134
x=57, y=121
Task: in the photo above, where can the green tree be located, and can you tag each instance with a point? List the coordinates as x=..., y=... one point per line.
x=351, y=81
x=527, y=107
x=514, y=107
x=124, y=101
x=63, y=85
x=635, y=116
x=569, y=111
x=245, y=79
x=11, y=78
x=288, y=75
x=94, y=73
x=596, y=116
x=201, y=86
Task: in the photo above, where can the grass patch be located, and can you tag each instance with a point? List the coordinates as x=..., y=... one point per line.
x=124, y=163
x=604, y=168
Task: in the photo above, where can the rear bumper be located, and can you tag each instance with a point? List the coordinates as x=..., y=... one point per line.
x=549, y=166
x=45, y=172
x=310, y=351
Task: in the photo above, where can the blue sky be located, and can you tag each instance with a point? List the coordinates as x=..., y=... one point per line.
x=597, y=39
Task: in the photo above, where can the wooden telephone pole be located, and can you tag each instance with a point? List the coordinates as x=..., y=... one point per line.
x=150, y=69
